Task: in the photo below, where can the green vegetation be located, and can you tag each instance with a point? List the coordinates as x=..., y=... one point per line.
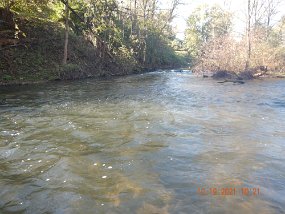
x=69, y=39
x=59, y=39
x=205, y=24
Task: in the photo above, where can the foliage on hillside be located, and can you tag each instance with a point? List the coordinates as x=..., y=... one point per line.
x=105, y=38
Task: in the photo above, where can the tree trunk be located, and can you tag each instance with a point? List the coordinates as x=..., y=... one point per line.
x=65, y=51
x=135, y=18
x=248, y=34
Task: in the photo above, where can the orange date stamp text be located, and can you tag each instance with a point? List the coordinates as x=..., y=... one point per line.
x=228, y=191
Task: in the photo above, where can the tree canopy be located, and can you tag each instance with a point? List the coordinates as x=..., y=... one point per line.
x=206, y=23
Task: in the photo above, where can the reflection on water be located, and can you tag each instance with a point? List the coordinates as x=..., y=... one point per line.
x=142, y=144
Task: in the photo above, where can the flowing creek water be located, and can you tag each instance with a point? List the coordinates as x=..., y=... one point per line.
x=160, y=142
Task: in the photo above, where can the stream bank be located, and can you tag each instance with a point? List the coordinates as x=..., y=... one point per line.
x=31, y=51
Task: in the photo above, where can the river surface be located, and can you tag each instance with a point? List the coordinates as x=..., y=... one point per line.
x=161, y=142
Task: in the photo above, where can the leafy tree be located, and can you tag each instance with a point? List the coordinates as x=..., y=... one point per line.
x=204, y=24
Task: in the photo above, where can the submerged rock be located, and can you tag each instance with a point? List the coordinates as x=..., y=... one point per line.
x=233, y=81
x=230, y=76
x=246, y=75
x=223, y=74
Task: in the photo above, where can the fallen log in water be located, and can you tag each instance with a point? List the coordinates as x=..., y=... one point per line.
x=233, y=81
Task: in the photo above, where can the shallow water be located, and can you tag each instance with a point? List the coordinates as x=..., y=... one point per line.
x=143, y=144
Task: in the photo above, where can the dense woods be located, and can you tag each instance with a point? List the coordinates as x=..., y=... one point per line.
x=69, y=39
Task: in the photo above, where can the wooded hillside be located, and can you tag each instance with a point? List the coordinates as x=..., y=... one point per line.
x=70, y=39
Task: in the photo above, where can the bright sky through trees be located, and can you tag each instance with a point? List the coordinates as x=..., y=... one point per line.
x=238, y=7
